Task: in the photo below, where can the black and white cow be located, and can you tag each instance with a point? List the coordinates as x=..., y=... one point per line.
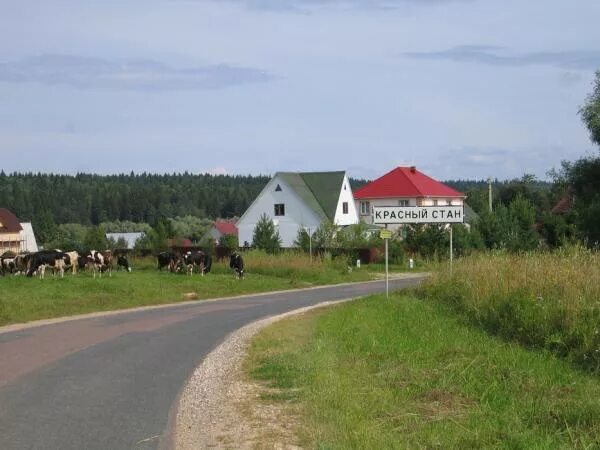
x=54, y=259
x=74, y=262
x=123, y=262
x=100, y=262
x=166, y=259
x=236, y=262
x=199, y=260
x=7, y=265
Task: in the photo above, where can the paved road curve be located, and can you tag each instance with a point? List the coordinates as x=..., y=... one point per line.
x=109, y=382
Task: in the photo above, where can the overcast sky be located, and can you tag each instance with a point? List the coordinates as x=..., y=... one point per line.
x=459, y=88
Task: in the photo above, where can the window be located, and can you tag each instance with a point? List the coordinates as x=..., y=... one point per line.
x=403, y=203
x=345, y=208
x=279, y=209
x=365, y=208
x=278, y=188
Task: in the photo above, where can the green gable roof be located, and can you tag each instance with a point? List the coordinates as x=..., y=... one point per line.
x=319, y=190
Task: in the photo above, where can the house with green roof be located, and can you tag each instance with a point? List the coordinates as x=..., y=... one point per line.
x=294, y=200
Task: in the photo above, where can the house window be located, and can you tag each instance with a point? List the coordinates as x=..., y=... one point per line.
x=278, y=188
x=279, y=209
x=403, y=203
x=365, y=208
x=345, y=208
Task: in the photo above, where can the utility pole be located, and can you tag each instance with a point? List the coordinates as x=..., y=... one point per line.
x=490, y=193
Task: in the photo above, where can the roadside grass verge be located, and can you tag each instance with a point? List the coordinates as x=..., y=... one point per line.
x=404, y=373
x=24, y=299
x=541, y=300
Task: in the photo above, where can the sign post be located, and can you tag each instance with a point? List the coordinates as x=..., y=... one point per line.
x=386, y=235
x=386, y=215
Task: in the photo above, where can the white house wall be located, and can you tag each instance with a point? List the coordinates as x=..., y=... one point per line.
x=296, y=214
x=346, y=196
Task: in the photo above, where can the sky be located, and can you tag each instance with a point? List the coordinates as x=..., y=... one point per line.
x=465, y=89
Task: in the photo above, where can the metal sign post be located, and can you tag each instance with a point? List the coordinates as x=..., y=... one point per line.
x=450, y=249
x=386, y=235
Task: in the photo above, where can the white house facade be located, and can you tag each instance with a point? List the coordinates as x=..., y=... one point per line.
x=300, y=200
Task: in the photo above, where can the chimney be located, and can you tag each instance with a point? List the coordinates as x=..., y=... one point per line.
x=413, y=169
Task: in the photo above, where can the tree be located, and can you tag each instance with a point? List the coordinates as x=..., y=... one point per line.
x=95, y=239
x=303, y=240
x=265, y=236
x=590, y=111
x=229, y=241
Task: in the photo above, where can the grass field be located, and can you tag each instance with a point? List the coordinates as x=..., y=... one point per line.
x=24, y=299
x=406, y=373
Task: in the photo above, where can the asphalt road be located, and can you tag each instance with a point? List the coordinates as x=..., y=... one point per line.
x=109, y=382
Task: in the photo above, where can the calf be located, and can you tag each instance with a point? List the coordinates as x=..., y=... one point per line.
x=236, y=262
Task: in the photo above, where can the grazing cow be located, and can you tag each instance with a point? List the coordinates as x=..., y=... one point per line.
x=236, y=262
x=202, y=261
x=7, y=265
x=123, y=262
x=100, y=262
x=21, y=263
x=74, y=261
x=166, y=259
x=82, y=262
x=57, y=260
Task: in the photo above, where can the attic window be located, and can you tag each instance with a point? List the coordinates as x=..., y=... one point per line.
x=278, y=188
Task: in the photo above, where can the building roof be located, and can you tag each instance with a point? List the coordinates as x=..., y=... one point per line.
x=130, y=238
x=9, y=222
x=405, y=182
x=319, y=190
x=226, y=227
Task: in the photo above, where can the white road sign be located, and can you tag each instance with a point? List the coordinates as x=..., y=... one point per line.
x=418, y=214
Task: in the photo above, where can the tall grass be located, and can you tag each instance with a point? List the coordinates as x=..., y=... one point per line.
x=297, y=266
x=544, y=300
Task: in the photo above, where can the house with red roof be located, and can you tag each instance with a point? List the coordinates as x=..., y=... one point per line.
x=404, y=186
x=221, y=228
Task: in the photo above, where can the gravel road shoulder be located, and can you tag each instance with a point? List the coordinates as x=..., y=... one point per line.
x=218, y=409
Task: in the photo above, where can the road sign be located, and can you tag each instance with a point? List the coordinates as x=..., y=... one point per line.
x=385, y=234
x=418, y=214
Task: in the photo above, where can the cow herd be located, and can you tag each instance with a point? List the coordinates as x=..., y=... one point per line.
x=59, y=262
x=196, y=261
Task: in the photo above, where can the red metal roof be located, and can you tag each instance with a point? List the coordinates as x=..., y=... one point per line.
x=10, y=223
x=405, y=182
x=226, y=228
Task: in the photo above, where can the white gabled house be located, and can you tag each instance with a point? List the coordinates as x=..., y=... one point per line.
x=293, y=200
